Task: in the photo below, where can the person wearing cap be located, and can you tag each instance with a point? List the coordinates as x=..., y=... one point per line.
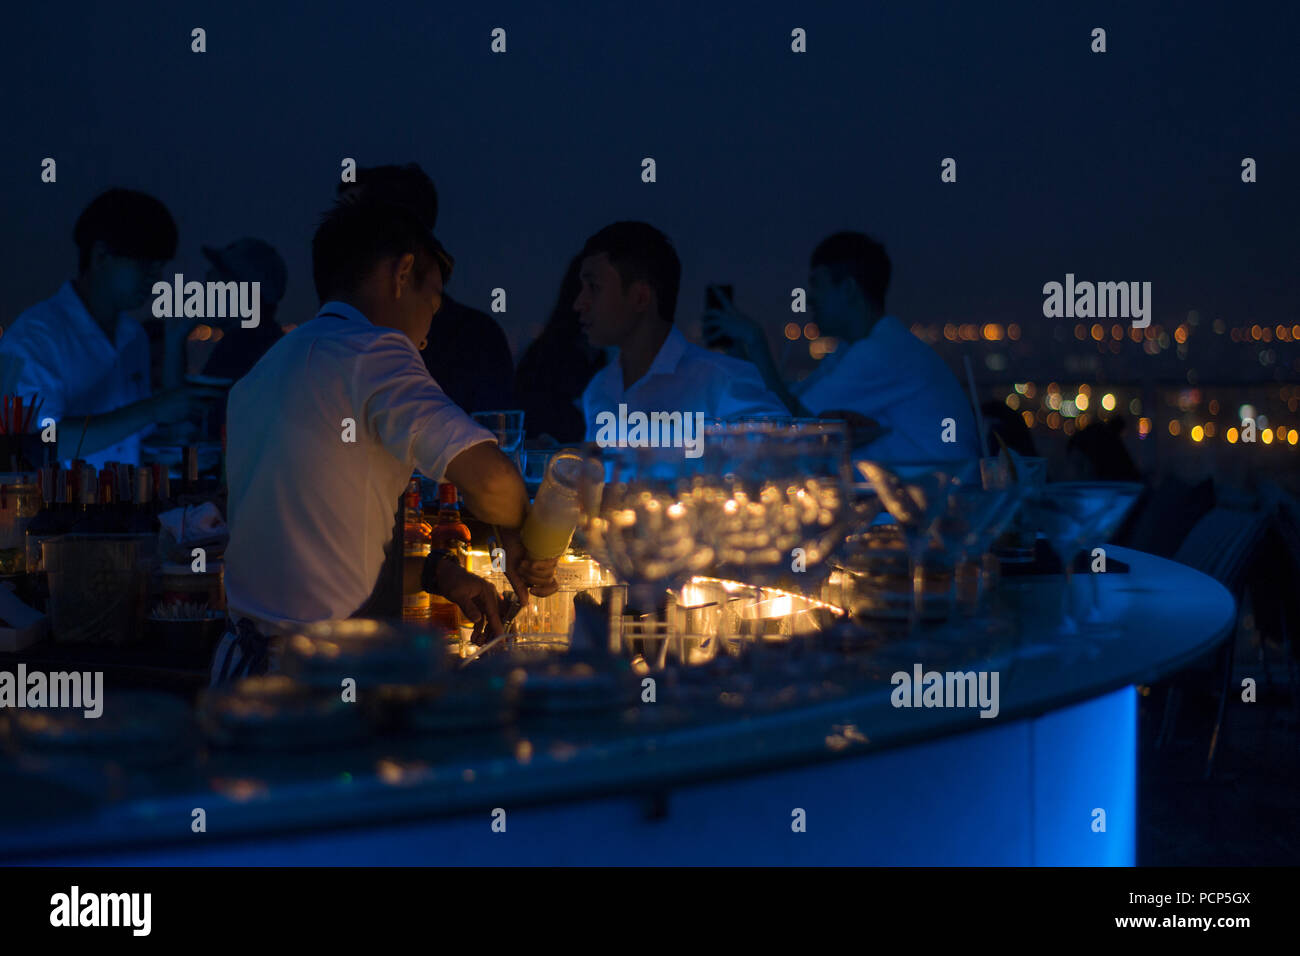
x=82, y=354
x=323, y=434
x=246, y=260
x=467, y=353
x=229, y=349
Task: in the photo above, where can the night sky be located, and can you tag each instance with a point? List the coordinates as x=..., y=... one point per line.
x=1115, y=166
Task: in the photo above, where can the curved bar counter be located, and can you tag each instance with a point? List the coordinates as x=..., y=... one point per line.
x=846, y=778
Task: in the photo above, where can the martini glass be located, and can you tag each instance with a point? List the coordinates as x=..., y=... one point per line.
x=974, y=517
x=773, y=501
x=915, y=502
x=1073, y=514
x=994, y=510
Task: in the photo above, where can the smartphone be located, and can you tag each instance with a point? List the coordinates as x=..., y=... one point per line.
x=713, y=300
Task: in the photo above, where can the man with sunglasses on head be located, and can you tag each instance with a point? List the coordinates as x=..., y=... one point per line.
x=323, y=435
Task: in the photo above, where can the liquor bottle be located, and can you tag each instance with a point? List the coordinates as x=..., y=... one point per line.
x=86, y=512
x=550, y=524
x=108, y=514
x=161, y=488
x=143, y=517
x=415, y=549
x=448, y=533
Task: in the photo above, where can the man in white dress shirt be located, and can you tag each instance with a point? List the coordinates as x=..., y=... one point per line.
x=82, y=354
x=630, y=275
x=899, y=397
x=323, y=435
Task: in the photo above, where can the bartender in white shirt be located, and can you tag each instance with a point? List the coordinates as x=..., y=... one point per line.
x=630, y=274
x=323, y=435
x=85, y=358
x=898, y=396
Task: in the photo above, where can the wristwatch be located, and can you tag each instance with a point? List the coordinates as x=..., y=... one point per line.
x=429, y=573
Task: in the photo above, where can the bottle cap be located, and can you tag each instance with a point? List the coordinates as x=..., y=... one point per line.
x=447, y=494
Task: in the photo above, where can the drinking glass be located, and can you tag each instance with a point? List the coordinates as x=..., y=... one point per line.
x=535, y=462
x=915, y=502
x=1016, y=544
x=508, y=427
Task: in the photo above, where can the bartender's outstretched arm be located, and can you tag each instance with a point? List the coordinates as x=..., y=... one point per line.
x=108, y=428
x=495, y=492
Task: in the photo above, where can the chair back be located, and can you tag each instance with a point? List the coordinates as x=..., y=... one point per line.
x=1222, y=544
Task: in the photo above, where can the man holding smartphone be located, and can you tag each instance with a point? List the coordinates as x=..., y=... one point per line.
x=629, y=277
x=901, y=401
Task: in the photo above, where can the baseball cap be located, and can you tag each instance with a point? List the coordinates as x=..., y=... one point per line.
x=251, y=260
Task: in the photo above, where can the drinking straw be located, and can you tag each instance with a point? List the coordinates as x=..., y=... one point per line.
x=84, y=426
x=975, y=401
x=18, y=414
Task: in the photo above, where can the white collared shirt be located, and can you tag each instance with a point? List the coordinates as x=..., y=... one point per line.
x=682, y=378
x=70, y=363
x=310, y=513
x=898, y=380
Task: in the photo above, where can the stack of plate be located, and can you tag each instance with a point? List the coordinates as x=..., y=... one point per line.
x=274, y=712
x=574, y=686
x=476, y=699
x=134, y=729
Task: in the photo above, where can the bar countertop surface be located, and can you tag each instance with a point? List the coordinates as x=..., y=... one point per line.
x=1161, y=616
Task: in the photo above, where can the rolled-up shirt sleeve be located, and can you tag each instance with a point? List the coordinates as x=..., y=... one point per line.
x=407, y=411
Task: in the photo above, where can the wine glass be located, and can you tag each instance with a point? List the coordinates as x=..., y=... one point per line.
x=508, y=427
x=1006, y=470
x=974, y=517
x=773, y=500
x=1075, y=513
x=640, y=519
